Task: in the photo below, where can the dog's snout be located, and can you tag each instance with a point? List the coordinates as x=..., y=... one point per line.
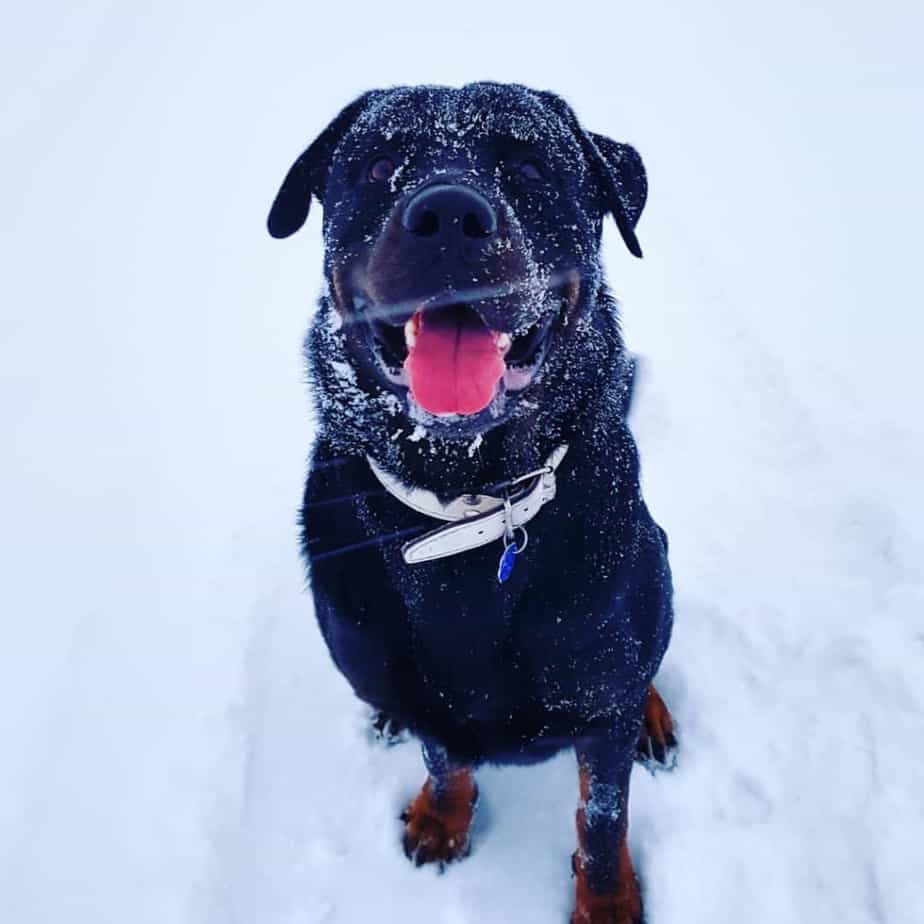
x=446, y=211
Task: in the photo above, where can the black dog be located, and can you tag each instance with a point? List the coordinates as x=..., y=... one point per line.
x=466, y=361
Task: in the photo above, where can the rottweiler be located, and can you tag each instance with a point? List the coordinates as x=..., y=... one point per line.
x=485, y=571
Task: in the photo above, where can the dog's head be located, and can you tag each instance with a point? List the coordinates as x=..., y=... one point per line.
x=462, y=231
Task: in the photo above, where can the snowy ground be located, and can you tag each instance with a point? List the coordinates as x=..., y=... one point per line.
x=176, y=746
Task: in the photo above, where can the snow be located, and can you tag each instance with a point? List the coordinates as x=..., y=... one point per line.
x=176, y=744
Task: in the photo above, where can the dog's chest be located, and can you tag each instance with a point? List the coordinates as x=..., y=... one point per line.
x=555, y=640
x=545, y=638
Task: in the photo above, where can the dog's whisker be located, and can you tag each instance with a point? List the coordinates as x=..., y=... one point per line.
x=385, y=311
x=366, y=543
x=342, y=498
x=331, y=463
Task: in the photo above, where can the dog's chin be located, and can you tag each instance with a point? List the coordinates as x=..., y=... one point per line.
x=464, y=426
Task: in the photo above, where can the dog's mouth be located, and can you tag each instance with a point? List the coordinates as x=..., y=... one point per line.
x=452, y=363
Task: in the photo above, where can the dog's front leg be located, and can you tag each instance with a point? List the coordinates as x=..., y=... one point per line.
x=607, y=890
x=438, y=822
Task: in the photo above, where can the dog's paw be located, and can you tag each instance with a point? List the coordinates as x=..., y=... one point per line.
x=437, y=828
x=657, y=741
x=383, y=729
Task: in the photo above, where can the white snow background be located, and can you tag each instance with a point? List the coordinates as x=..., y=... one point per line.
x=175, y=745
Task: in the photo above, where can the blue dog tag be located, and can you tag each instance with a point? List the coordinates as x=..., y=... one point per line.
x=507, y=560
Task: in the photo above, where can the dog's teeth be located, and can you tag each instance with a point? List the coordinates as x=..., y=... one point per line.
x=503, y=341
x=410, y=333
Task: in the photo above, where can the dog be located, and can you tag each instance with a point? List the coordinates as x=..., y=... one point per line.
x=484, y=569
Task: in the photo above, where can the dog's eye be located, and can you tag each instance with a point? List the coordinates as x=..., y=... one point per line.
x=381, y=169
x=531, y=171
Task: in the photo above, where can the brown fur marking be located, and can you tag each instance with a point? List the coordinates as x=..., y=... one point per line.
x=657, y=736
x=438, y=821
x=622, y=906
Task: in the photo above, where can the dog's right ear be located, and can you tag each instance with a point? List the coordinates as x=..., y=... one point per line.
x=618, y=167
x=308, y=175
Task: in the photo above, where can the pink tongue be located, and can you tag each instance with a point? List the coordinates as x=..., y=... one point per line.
x=455, y=365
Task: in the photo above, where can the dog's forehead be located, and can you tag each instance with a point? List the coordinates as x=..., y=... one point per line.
x=456, y=118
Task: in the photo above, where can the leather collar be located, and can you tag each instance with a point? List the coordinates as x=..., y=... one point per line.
x=474, y=519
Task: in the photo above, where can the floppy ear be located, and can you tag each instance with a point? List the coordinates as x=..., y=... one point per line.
x=618, y=167
x=308, y=175
x=628, y=172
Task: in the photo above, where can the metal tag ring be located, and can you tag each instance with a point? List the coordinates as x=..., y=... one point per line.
x=522, y=529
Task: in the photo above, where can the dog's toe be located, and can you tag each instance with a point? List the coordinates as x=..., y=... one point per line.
x=437, y=829
x=386, y=730
x=428, y=839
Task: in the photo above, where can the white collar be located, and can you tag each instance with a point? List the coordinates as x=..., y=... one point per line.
x=475, y=519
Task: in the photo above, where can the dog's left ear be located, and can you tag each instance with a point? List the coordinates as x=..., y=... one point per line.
x=308, y=175
x=619, y=169
x=628, y=185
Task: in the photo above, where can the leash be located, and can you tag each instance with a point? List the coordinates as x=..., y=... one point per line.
x=476, y=519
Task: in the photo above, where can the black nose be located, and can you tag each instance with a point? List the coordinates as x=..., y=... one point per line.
x=445, y=211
